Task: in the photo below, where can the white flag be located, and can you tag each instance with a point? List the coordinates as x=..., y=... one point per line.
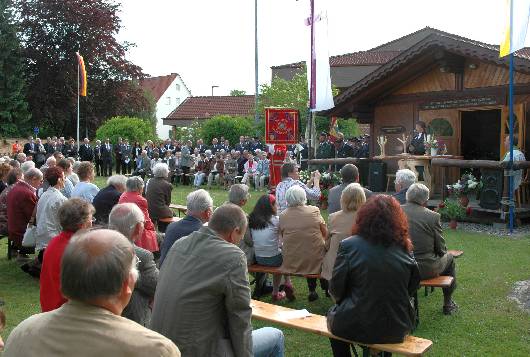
x=318, y=77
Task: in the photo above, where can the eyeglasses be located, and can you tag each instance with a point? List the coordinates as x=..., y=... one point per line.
x=137, y=261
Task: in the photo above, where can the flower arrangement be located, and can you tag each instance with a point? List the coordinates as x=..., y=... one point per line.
x=327, y=181
x=467, y=184
x=431, y=142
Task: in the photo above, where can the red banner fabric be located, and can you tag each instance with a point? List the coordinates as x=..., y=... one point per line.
x=281, y=126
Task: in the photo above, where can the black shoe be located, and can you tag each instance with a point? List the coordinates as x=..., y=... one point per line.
x=450, y=309
x=312, y=296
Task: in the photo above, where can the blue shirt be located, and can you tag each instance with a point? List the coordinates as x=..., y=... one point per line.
x=177, y=230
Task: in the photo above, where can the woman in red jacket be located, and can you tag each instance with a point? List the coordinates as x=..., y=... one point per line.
x=135, y=187
x=74, y=214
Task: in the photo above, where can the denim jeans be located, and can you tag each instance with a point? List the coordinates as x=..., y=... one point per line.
x=199, y=177
x=268, y=342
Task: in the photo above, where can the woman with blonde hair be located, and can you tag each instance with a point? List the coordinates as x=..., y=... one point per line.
x=341, y=224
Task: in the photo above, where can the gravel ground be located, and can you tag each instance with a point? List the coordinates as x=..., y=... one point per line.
x=497, y=229
x=521, y=295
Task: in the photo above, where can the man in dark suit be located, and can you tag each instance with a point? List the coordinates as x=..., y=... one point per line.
x=126, y=152
x=97, y=158
x=108, y=197
x=143, y=165
x=86, y=153
x=106, y=158
x=199, y=206
x=118, y=155
x=349, y=174
x=29, y=147
x=241, y=146
x=404, y=179
x=430, y=251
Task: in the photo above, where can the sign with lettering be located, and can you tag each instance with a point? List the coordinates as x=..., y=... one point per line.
x=459, y=103
x=399, y=129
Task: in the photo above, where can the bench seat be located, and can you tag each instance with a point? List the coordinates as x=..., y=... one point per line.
x=256, y=268
x=169, y=219
x=411, y=346
x=179, y=208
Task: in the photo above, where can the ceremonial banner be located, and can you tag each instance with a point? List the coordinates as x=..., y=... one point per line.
x=333, y=129
x=281, y=126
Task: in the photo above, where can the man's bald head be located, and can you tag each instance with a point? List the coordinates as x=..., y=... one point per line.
x=95, y=265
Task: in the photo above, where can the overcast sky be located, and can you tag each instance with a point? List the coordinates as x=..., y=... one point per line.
x=211, y=42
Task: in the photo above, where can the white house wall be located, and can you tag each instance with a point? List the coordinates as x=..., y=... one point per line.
x=175, y=94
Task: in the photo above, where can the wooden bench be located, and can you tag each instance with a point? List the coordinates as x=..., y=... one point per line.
x=256, y=268
x=411, y=346
x=179, y=208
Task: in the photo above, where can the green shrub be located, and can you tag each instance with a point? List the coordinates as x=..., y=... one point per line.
x=134, y=129
x=451, y=209
x=229, y=127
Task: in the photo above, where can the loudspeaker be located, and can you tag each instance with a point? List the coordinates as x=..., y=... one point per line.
x=377, y=176
x=363, y=172
x=493, y=180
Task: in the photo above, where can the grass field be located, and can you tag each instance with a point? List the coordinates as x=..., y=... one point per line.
x=487, y=324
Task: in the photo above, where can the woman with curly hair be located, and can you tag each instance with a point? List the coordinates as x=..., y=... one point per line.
x=374, y=276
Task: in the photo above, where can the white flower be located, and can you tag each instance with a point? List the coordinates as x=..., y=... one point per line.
x=457, y=186
x=471, y=184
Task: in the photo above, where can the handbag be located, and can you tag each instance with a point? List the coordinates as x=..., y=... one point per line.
x=30, y=237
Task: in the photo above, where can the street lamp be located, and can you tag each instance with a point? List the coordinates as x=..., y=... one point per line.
x=213, y=88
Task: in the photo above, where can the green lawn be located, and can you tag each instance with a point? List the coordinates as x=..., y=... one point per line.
x=486, y=324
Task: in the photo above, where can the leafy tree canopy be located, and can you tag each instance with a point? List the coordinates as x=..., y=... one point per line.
x=237, y=93
x=229, y=127
x=134, y=129
x=51, y=32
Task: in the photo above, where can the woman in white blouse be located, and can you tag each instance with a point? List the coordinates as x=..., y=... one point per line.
x=263, y=224
x=47, y=219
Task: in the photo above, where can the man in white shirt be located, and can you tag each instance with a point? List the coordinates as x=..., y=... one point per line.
x=290, y=177
x=517, y=156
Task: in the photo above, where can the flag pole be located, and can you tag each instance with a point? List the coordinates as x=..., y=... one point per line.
x=510, y=166
x=78, y=105
x=312, y=84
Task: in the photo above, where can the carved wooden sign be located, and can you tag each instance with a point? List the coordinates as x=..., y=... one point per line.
x=398, y=129
x=459, y=103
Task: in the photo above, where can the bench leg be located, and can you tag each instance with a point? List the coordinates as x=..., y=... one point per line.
x=9, y=249
x=426, y=291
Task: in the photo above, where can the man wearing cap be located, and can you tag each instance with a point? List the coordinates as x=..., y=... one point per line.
x=324, y=150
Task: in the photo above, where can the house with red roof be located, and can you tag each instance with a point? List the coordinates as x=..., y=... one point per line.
x=205, y=107
x=168, y=92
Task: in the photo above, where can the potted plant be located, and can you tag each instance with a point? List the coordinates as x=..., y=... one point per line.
x=451, y=210
x=463, y=187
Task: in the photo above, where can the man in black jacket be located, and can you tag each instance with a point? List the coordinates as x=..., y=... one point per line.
x=106, y=158
x=85, y=151
x=108, y=197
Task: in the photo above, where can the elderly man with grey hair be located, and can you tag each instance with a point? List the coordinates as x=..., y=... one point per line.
x=143, y=165
x=199, y=206
x=158, y=195
x=404, y=178
x=128, y=219
x=238, y=194
x=430, y=250
x=26, y=166
x=21, y=157
x=98, y=274
x=206, y=311
x=108, y=197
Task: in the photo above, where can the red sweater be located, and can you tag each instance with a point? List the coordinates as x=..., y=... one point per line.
x=50, y=275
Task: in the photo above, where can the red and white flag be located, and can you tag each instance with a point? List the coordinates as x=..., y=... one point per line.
x=318, y=75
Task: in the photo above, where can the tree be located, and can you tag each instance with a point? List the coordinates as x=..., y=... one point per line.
x=229, y=127
x=134, y=129
x=51, y=33
x=14, y=114
x=294, y=94
x=237, y=93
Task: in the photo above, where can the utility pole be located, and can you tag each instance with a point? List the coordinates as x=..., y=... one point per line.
x=256, y=99
x=213, y=88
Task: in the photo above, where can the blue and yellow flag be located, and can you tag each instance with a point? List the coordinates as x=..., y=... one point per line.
x=516, y=17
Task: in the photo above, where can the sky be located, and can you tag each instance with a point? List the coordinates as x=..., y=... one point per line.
x=211, y=42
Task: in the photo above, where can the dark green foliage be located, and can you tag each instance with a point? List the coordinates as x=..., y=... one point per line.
x=229, y=127
x=51, y=33
x=134, y=129
x=14, y=114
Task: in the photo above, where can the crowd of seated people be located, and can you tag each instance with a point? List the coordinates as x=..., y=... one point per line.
x=200, y=298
